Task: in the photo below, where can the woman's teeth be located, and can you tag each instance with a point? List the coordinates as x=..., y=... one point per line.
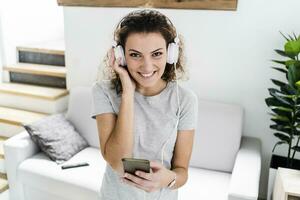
x=147, y=75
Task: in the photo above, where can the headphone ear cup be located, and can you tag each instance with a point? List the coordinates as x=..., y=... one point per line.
x=119, y=53
x=173, y=53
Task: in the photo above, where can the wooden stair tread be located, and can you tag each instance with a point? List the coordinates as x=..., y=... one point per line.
x=3, y=185
x=2, y=140
x=19, y=117
x=51, y=47
x=42, y=92
x=38, y=69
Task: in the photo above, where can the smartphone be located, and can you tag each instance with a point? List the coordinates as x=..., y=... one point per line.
x=132, y=164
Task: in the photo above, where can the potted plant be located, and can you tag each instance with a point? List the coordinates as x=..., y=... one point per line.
x=284, y=102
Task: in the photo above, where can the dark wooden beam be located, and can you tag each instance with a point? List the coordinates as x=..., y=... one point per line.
x=179, y=4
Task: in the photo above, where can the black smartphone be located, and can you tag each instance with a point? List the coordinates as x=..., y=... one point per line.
x=132, y=164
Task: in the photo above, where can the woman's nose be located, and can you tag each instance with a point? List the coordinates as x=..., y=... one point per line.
x=147, y=65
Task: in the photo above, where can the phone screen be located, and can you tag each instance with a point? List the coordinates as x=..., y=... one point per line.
x=132, y=164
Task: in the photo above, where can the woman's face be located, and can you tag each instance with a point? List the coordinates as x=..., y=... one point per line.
x=146, y=59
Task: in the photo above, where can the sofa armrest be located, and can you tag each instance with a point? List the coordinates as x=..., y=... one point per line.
x=244, y=184
x=17, y=149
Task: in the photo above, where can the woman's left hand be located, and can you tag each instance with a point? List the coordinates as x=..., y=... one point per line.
x=159, y=177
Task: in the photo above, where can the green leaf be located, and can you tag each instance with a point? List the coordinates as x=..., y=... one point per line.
x=284, y=88
x=298, y=85
x=285, y=109
x=278, y=143
x=280, y=122
x=291, y=38
x=287, y=114
x=283, y=100
x=283, y=137
x=278, y=83
x=273, y=102
x=280, y=117
x=282, y=53
x=281, y=128
x=295, y=37
x=280, y=69
x=293, y=74
x=289, y=63
x=279, y=61
x=284, y=36
x=296, y=148
x=292, y=48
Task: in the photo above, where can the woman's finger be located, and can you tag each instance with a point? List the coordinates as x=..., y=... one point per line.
x=116, y=65
x=144, y=175
x=155, y=165
x=111, y=57
x=134, y=179
x=124, y=180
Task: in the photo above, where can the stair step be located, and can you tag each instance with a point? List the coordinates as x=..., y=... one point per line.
x=48, y=93
x=3, y=176
x=18, y=117
x=2, y=140
x=38, y=69
x=3, y=185
x=50, y=47
x=9, y=129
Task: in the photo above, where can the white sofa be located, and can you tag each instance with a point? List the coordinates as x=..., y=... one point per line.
x=224, y=164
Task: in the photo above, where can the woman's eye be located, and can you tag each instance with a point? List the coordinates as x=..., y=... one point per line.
x=156, y=54
x=134, y=55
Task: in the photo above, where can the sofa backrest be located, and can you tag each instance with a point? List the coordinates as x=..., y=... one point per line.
x=218, y=135
x=217, y=138
x=79, y=114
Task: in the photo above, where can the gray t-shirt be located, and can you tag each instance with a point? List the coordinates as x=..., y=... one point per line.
x=155, y=119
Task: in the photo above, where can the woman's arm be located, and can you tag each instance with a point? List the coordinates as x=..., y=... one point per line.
x=116, y=133
x=181, y=157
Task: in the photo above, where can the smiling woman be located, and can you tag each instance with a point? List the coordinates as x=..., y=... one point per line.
x=142, y=112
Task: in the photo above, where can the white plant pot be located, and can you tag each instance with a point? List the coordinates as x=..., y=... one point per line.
x=272, y=176
x=277, y=161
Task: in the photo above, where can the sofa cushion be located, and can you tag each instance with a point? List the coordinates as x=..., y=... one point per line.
x=205, y=184
x=57, y=137
x=79, y=113
x=74, y=183
x=218, y=135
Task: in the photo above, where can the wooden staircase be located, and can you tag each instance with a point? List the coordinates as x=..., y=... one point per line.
x=33, y=88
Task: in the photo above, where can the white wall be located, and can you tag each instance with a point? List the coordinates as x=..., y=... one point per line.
x=26, y=22
x=228, y=54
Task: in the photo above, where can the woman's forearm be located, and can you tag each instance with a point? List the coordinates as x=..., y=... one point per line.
x=181, y=177
x=120, y=142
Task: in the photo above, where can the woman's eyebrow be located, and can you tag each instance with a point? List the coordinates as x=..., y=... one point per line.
x=140, y=52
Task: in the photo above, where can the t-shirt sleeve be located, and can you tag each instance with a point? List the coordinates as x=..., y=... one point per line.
x=189, y=112
x=101, y=101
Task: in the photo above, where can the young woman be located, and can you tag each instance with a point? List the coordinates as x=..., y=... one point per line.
x=142, y=112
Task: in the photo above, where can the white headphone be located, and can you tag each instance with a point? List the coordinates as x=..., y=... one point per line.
x=172, y=52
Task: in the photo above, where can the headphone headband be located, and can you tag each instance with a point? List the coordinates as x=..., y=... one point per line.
x=172, y=49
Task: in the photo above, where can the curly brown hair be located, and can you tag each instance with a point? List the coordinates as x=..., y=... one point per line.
x=147, y=21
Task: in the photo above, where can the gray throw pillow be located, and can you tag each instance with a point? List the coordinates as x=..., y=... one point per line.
x=56, y=137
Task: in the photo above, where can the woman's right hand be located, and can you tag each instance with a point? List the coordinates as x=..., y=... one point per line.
x=128, y=84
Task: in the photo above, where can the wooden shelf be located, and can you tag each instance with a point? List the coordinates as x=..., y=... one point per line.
x=183, y=4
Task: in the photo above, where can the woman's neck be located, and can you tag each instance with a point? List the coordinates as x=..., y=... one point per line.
x=154, y=90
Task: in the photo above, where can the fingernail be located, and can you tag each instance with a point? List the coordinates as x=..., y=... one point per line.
x=137, y=173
